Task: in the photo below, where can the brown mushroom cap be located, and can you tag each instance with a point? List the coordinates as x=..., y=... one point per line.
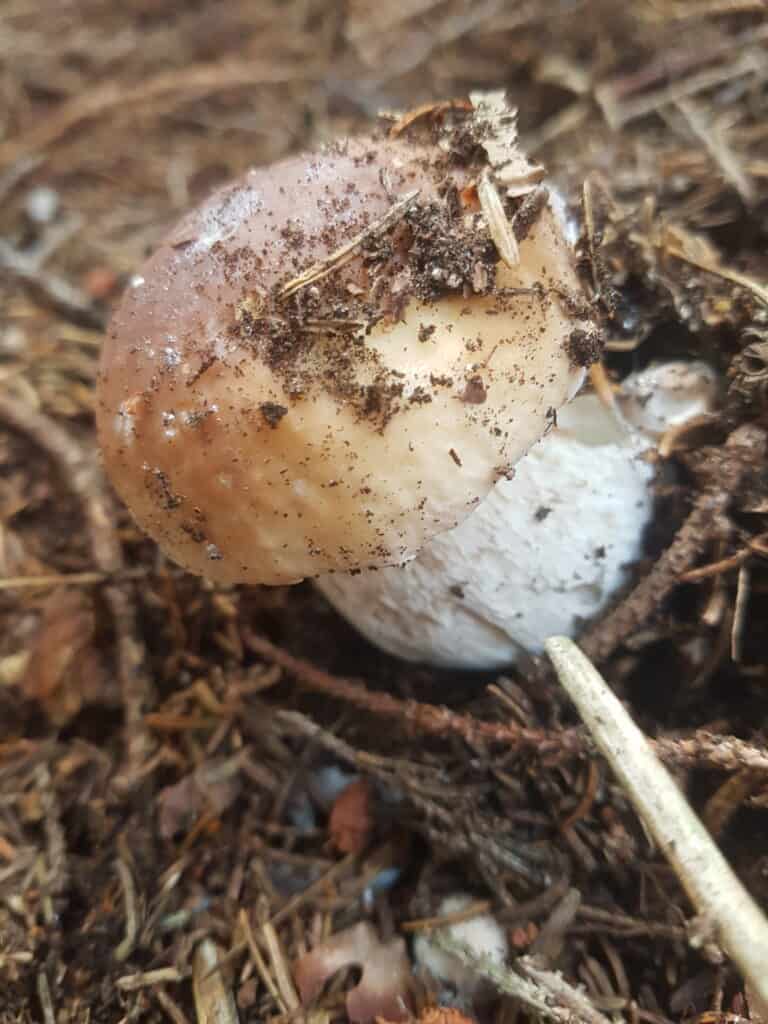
x=261, y=436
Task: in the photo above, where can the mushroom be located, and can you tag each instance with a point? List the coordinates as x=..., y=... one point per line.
x=545, y=551
x=333, y=360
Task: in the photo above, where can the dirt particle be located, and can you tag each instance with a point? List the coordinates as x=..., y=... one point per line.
x=584, y=346
x=475, y=391
x=528, y=213
x=272, y=413
x=160, y=487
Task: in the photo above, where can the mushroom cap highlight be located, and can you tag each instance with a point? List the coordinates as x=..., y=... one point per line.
x=265, y=425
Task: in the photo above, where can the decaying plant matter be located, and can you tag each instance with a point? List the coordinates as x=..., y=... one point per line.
x=171, y=753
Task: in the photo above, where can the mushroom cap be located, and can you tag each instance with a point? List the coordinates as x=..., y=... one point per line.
x=264, y=437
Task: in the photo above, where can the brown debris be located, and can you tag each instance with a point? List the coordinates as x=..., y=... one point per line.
x=83, y=478
x=346, y=252
x=724, y=472
x=210, y=789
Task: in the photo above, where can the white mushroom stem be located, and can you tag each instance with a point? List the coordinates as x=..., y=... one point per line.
x=717, y=894
x=545, y=551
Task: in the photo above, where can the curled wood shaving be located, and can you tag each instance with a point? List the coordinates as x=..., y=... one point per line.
x=496, y=218
x=431, y=110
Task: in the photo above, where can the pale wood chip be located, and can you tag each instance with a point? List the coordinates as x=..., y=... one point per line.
x=498, y=225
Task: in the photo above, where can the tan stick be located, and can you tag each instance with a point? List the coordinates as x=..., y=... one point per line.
x=717, y=894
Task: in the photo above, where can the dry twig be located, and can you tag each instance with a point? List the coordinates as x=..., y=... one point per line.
x=128, y=887
x=46, y=1001
x=727, y=753
x=214, y=1001
x=599, y=642
x=547, y=994
x=426, y=718
x=713, y=888
x=148, y=979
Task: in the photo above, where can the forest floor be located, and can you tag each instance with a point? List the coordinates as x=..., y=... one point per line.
x=169, y=749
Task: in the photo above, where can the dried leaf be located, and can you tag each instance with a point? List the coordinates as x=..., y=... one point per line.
x=351, y=822
x=64, y=669
x=212, y=787
x=384, y=986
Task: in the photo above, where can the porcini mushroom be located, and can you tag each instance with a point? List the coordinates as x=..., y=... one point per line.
x=334, y=359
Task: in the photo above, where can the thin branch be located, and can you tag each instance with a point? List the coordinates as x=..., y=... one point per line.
x=128, y=886
x=599, y=642
x=561, y=991
x=751, y=284
x=172, y=1010
x=740, y=613
x=426, y=718
x=548, y=995
x=69, y=579
x=46, y=1001
x=618, y=113
x=727, y=753
x=717, y=145
x=148, y=979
